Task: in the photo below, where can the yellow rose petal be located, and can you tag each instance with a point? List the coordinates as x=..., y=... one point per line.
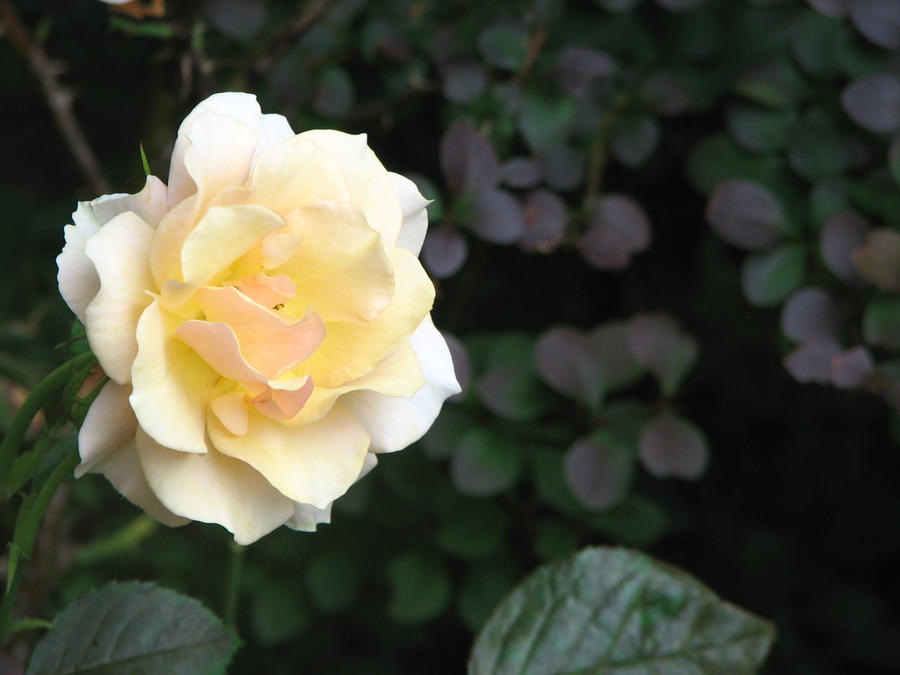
x=313, y=464
x=108, y=426
x=171, y=384
x=120, y=253
x=213, y=488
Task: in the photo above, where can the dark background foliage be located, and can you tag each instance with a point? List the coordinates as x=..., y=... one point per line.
x=628, y=197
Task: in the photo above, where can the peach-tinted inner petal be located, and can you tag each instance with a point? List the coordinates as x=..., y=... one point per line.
x=268, y=342
x=265, y=290
x=282, y=404
x=231, y=409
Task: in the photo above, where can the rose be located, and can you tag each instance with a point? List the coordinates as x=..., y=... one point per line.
x=263, y=321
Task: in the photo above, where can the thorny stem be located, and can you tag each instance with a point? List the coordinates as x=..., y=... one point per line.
x=59, y=99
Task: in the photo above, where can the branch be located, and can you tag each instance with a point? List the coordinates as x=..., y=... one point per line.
x=59, y=99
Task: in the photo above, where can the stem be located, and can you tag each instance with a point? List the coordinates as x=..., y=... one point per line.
x=27, y=525
x=35, y=401
x=233, y=587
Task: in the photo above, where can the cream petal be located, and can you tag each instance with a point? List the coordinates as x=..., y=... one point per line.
x=225, y=108
x=123, y=469
x=231, y=409
x=213, y=488
x=222, y=236
x=340, y=269
x=272, y=129
x=120, y=254
x=370, y=186
x=77, y=277
x=289, y=175
x=311, y=464
x=415, y=215
x=172, y=384
x=307, y=517
x=151, y=204
x=352, y=349
x=394, y=422
x=108, y=426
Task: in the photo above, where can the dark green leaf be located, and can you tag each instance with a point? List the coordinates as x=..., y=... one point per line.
x=598, y=470
x=642, y=616
x=483, y=586
x=633, y=522
x=473, y=530
x=277, y=614
x=504, y=46
x=485, y=463
x=881, y=322
x=334, y=95
x=134, y=628
x=768, y=278
x=759, y=130
x=420, y=587
x=544, y=121
x=333, y=579
x=718, y=158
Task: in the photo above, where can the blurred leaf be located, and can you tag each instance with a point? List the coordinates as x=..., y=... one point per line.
x=873, y=102
x=544, y=121
x=828, y=197
x=139, y=627
x=759, y=130
x=775, y=84
x=504, y=46
x=334, y=95
x=717, y=159
x=634, y=522
x=277, y=615
x=461, y=365
x=878, y=259
x=878, y=20
x=894, y=159
x=577, y=67
x=333, y=579
x=599, y=472
x=852, y=369
x=841, y=234
x=881, y=322
x=497, y=217
x=545, y=221
x=420, y=587
x=810, y=314
x=768, y=278
x=550, y=482
x=485, y=463
x=746, y=215
x=446, y=432
x=634, y=140
x=673, y=447
x=444, y=251
x=833, y=8
x=814, y=43
x=816, y=150
x=811, y=362
x=680, y=5
x=617, y=228
x=472, y=530
x=512, y=393
x=658, y=343
x=666, y=93
x=463, y=81
x=563, y=167
x=467, y=159
x=555, y=539
x=238, y=19
x=618, y=5
x=483, y=587
x=522, y=172
x=643, y=616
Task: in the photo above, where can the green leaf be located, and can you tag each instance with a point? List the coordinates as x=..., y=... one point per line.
x=759, y=130
x=473, y=530
x=504, y=46
x=485, y=462
x=420, y=587
x=635, y=522
x=717, y=158
x=483, y=586
x=277, y=614
x=814, y=39
x=608, y=610
x=768, y=278
x=134, y=627
x=881, y=322
x=776, y=84
x=144, y=163
x=29, y=624
x=333, y=579
x=544, y=121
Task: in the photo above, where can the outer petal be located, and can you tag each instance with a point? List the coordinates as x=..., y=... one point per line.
x=123, y=469
x=151, y=204
x=312, y=464
x=307, y=517
x=370, y=186
x=340, y=269
x=393, y=422
x=415, y=215
x=352, y=349
x=77, y=278
x=120, y=253
x=171, y=384
x=108, y=426
x=213, y=488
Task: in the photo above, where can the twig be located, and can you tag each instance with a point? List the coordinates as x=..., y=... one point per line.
x=58, y=98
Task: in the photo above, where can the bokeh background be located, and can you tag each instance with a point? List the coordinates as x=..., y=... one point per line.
x=666, y=243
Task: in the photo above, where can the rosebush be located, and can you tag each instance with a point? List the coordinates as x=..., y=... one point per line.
x=263, y=321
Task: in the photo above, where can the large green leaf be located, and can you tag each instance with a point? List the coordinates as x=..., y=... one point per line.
x=135, y=628
x=611, y=610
